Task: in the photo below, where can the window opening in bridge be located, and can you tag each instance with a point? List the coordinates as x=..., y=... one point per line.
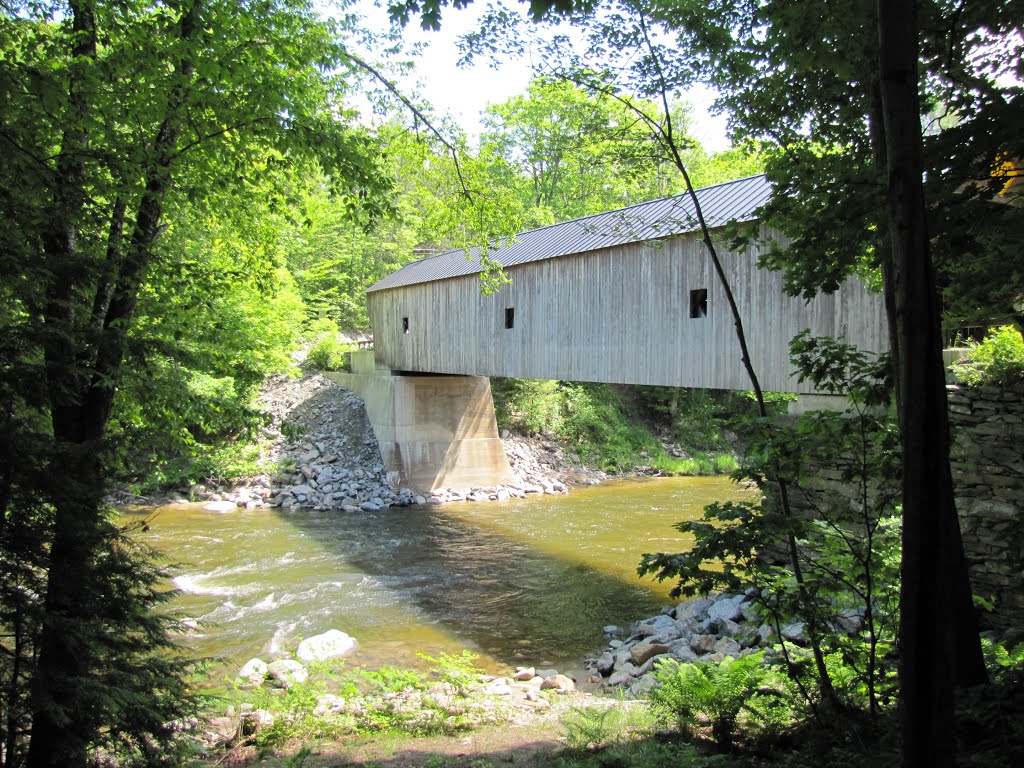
x=405, y=325
x=699, y=302
x=510, y=317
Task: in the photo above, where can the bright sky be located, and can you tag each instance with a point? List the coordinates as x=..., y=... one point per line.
x=463, y=92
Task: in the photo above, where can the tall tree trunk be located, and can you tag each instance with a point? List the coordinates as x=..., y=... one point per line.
x=935, y=593
x=61, y=661
x=62, y=726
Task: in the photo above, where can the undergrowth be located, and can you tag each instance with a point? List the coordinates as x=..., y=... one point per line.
x=998, y=359
x=621, y=428
x=335, y=702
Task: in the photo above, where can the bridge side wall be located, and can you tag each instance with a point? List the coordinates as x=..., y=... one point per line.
x=620, y=315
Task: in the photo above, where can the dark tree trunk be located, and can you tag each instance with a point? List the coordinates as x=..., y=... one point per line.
x=59, y=735
x=54, y=739
x=935, y=595
x=81, y=404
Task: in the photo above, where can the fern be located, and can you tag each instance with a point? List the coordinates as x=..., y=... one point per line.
x=708, y=693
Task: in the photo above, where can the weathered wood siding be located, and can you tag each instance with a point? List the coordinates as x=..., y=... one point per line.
x=619, y=315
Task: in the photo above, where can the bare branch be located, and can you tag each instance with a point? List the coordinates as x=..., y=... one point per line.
x=420, y=116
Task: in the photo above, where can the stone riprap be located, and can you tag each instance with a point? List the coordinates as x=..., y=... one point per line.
x=702, y=629
x=987, y=461
x=319, y=434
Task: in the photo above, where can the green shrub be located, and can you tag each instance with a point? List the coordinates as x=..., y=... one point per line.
x=708, y=693
x=329, y=353
x=526, y=404
x=392, y=679
x=1002, y=659
x=595, y=727
x=999, y=359
x=458, y=671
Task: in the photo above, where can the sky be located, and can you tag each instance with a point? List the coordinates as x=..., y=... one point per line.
x=464, y=92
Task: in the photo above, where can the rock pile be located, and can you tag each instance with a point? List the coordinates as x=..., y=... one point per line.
x=539, y=461
x=321, y=436
x=702, y=629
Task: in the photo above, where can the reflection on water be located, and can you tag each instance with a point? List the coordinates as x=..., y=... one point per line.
x=530, y=580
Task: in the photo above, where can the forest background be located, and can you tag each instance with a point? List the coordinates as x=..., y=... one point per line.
x=187, y=189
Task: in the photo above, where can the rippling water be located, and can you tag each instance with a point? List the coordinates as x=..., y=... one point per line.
x=531, y=580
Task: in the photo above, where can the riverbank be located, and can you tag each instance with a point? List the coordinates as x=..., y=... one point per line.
x=319, y=451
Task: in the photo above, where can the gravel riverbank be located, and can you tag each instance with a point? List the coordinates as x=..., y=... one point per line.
x=324, y=455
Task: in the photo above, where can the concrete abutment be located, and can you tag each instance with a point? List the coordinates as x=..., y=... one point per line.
x=433, y=431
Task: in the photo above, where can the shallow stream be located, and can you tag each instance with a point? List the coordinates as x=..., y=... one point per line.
x=524, y=581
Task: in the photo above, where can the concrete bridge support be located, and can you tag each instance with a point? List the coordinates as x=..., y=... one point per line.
x=433, y=431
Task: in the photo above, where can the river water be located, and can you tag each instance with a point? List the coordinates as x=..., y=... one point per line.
x=529, y=581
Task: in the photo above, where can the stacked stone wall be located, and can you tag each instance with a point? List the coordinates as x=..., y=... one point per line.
x=987, y=461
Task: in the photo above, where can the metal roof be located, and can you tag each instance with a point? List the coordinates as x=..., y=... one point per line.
x=732, y=201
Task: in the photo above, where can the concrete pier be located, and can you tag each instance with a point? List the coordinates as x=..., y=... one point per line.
x=433, y=431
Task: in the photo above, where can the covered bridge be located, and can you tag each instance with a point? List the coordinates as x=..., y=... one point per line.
x=628, y=297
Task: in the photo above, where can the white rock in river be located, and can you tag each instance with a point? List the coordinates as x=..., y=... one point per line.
x=332, y=644
x=253, y=671
x=287, y=672
x=220, y=506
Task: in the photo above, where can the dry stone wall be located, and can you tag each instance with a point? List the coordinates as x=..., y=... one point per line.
x=987, y=460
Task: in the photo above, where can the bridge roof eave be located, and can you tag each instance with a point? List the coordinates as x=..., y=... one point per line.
x=656, y=220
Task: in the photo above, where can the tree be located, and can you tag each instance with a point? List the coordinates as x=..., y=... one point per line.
x=830, y=92
x=576, y=153
x=90, y=170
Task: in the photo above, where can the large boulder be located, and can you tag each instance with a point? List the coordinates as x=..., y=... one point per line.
x=654, y=626
x=727, y=647
x=558, y=684
x=221, y=506
x=285, y=673
x=694, y=610
x=254, y=671
x=646, y=650
x=332, y=644
x=795, y=633
x=623, y=675
x=682, y=651
x=728, y=607
x=701, y=644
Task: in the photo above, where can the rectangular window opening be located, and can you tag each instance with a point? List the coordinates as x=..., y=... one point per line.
x=405, y=325
x=510, y=317
x=699, y=302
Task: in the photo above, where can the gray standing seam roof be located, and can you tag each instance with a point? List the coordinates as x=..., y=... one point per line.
x=658, y=219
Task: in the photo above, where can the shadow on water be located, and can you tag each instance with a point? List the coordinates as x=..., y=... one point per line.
x=531, y=581
x=510, y=600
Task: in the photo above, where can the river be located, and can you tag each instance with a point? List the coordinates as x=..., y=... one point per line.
x=529, y=581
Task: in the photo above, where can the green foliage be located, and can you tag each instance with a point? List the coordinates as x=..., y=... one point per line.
x=1001, y=659
x=458, y=671
x=573, y=153
x=714, y=694
x=846, y=535
x=329, y=353
x=595, y=425
x=588, y=727
x=392, y=679
x=998, y=359
x=614, y=427
x=294, y=714
x=530, y=405
x=598, y=727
